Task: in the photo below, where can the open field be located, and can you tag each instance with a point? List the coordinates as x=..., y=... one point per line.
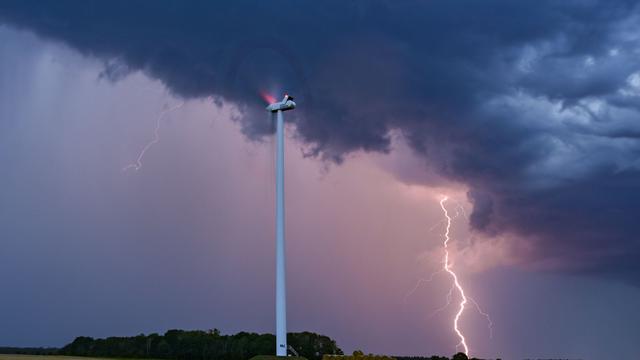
x=44, y=357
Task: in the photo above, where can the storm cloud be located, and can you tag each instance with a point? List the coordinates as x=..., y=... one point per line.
x=533, y=105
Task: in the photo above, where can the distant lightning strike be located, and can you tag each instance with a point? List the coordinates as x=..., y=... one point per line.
x=156, y=137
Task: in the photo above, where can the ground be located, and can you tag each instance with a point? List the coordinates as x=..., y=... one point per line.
x=44, y=357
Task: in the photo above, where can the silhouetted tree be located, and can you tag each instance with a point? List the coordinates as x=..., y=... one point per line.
x=460, y=356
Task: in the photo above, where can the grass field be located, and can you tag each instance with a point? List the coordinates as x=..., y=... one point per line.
x=44, y=357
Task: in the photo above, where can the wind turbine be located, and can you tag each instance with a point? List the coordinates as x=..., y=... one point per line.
x=281, y=291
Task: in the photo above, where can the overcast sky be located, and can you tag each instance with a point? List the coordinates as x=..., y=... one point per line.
x=526, y=114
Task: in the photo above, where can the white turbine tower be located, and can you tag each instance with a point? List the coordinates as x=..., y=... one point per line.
x=281, y=290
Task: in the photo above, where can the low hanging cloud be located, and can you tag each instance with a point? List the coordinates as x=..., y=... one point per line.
x=535, y=106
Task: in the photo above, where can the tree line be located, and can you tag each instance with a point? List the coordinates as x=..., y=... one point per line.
x=210, y=345
x=199, y=345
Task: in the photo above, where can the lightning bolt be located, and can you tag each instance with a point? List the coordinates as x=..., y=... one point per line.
x=156, y=137
x=454, y=276
x=447, y=267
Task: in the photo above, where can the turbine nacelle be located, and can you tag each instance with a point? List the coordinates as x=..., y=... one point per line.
x=284, y=105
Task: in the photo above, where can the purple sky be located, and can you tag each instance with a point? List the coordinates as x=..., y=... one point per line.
x=187, y=241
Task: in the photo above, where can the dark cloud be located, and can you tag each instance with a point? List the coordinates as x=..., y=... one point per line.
x=534, y=105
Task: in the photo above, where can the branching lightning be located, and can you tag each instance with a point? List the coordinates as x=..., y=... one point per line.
x=156, y=137
x=420, y=282
x=487, y=316
x=447, y=303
